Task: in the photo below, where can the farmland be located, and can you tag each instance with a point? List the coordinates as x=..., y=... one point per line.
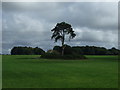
x=29, y=71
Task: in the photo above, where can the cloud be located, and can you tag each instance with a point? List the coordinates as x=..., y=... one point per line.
x=0, y=27
x=61, y=0
x=91, y=15
x=86, y=34
x=30, y=23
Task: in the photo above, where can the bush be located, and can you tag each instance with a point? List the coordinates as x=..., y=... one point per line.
x=56, y=55
x=67, y=50
x=58, y=49
x=49, y=56
x=74, y=57
x=53, y=52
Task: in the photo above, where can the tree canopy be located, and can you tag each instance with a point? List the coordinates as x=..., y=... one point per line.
x=80, y=50
x=59, y=32
x=27, y=51
x=87, y=50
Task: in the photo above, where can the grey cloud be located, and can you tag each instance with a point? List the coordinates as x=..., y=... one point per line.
x=0, y=27
x=91, y=15
x=29, y=24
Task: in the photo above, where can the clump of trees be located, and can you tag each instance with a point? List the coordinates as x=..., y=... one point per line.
x=87, y=50
x=27, y=51
x=68, y=50
x=54, y=54
x=64, y=52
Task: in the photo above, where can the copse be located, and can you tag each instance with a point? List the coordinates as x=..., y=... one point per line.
x=58, y=49
x=27, y=51
x=38, y=51
x=67, y=50
x=59, y=32
x=93, y=50
x=87, y=50
x=114, y=51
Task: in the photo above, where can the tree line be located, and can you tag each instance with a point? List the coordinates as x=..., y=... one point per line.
x=87, y=50
x=58, y=33
x=27, y=51
x=79, y=50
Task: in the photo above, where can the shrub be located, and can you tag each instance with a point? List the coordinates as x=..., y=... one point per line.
x=51, y=54
x=74, y=57
x=38, y=51
x=67, y=50
x=56, y=55
x=58, y=49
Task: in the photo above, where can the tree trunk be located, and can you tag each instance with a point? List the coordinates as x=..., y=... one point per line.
x=63, y=44
x=62, y=48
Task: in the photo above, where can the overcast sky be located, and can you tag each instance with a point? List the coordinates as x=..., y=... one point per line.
x=30, y=23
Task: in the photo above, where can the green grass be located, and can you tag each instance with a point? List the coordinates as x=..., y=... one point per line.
x=22, y=71
x=1, y=72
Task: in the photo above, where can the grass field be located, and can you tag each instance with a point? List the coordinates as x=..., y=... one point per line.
x=22, y=71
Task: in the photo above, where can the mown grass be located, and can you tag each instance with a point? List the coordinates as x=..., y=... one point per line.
x=0, y=71
x=27, y=71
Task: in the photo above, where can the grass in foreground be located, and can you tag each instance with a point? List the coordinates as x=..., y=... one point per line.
x=21, y=71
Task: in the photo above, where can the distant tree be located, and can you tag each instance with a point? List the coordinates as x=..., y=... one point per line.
x=38, y=51
x=77, y=50
x=114, y=51
x=59, y=32
x=68, y=50
x=58, y=49
x=26, y=51
x=91, y=50
x=14, y=51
